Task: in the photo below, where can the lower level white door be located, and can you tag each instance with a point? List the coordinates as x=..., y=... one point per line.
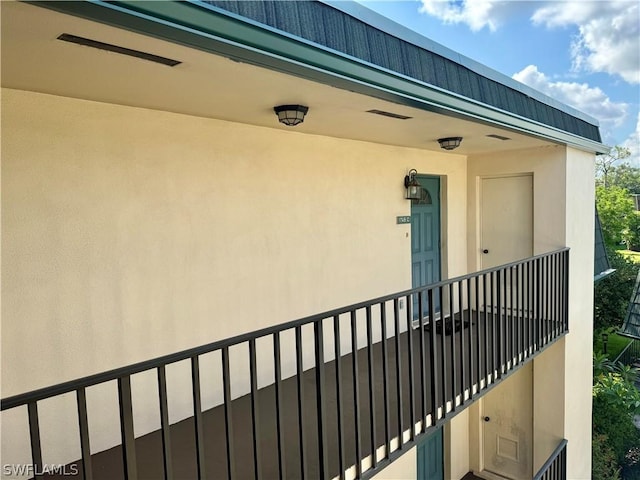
x=507, y=426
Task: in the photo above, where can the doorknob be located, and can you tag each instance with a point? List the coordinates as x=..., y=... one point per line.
x=485, y=251
x=486, y=419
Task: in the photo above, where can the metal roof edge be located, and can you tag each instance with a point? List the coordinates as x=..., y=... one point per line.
x=376, y=20
x=603, y=275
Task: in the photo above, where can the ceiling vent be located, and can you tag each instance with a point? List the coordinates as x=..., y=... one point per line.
x=498, y=137
x=389, y=114
x=66, y=37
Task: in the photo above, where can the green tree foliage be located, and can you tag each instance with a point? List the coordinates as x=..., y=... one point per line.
x=615, y=437
x=615, y=401
x=612, y=294
x=606, y=164
x=604, y=465
x=617, y=212
x=623, y=176
x=632, y=238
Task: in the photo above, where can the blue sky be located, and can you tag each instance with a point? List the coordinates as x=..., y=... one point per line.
x=585, y=53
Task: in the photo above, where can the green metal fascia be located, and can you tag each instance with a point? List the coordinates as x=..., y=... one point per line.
x=217, y=31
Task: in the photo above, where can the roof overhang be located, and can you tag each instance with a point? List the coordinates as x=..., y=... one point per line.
x=196, y=25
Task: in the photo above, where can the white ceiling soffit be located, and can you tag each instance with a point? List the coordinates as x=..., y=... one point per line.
x=208, y=85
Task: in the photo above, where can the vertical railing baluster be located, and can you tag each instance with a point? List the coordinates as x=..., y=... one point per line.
x=454, y=363
x=526, y=287
x=83, y=427
x=531, y=305
x=255, y=414
x=396, y=325
x=478, y=357
x=356, y=393
x=538, y=296
x=511, y=317
x=197, y=417
x=506, y=307
x=412, y=386
x=126, y=428
x=277, y=367
x=423, y=359
x=318, y=333
x=340, y=415
x=443, y=351
x=495, y=340
x=485, y=320
x=518, y=316
x=165, y=431
x=463, y=366
x=301, y=414
x=34, y=439
x=228, y=414
x=385, y=375
x=433, y=353
x=501, y=338
x=566, y=291
x=547, y=300
x=470, y=336
x=554, y=295
x=372, y=403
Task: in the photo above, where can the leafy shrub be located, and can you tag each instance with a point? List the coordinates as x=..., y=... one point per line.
x=614, y=422
x=604, y=465
x=612, y=294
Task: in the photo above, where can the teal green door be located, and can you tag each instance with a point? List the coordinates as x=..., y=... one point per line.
x=425, y=237
x=430, y=465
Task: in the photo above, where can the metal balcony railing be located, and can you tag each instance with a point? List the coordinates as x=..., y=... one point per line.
x=343, y=391
x=555, y=468
x=630, y=354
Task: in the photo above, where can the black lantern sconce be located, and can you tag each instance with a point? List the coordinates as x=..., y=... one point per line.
x=291, y=115
x=412, y=185
x=450, y=143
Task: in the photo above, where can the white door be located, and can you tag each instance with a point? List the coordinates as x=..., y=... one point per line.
x=506, y=219
x=506, y=235
x=507, y=418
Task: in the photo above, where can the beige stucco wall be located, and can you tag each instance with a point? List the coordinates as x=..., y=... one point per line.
x=129, y=233
x=563, y=200
x=456, y=451
x=578, y=344
x=403, y=468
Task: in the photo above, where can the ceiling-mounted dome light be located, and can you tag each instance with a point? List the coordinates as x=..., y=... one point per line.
x=291, y=115
x=450, y=143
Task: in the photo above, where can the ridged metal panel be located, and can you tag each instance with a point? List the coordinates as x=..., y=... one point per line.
x=324, y=25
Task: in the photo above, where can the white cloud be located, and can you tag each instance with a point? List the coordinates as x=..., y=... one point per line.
x=587, y=99
x=609, y=34
x=633, y=144
x=478, y=14
x=608, y=38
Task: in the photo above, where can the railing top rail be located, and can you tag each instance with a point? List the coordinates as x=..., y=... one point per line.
x=629, y=346
x=561, y=446
x=110, y=375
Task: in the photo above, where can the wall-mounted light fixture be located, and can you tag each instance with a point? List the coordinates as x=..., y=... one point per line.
x=450, y=143
x=291, y=115
x=412, y=185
